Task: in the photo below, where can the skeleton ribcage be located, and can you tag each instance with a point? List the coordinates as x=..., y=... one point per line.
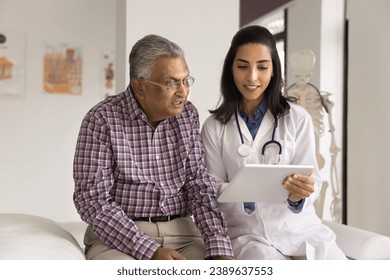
x=310, y=99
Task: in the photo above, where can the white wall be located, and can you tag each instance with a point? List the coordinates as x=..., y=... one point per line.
x=38, y=133
x=369, y=115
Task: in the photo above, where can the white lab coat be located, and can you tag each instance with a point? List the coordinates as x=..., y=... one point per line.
x=271, y=225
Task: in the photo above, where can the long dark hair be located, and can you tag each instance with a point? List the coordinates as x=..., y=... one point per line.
x=230, y=96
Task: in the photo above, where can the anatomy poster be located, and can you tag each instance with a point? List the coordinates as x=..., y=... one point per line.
x=107, y=73
x=12, y=63
x=63, y=65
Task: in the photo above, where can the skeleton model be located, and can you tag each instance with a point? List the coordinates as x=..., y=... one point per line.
x=317, y=104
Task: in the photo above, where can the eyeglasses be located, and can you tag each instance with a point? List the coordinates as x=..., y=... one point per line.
x=187, y=82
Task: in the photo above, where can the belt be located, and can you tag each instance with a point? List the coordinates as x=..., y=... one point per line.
x=157, y=219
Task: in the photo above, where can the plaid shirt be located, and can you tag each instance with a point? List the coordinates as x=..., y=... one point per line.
x=124, y=168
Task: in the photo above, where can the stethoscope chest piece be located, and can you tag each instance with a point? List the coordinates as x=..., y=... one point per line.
x=244, y=150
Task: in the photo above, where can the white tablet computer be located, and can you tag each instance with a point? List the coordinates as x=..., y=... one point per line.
x=261, y=182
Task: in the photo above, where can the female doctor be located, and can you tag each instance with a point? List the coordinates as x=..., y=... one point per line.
x=252, y=112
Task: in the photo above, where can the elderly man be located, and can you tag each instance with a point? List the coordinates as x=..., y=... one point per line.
x=140, y=177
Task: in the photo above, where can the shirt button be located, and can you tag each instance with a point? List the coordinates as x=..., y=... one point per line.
x=264, y=210
x=157, y=157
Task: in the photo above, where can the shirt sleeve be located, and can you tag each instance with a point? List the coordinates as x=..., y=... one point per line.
x=93, y=170
x=202, y=192
x=297, y=206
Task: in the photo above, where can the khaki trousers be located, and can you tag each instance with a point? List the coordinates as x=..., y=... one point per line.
x=180, y=234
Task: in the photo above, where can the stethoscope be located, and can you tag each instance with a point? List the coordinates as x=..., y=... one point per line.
x=244, y=150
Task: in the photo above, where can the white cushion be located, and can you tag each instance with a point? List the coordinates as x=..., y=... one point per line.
x=28, y=237
x=361, y=244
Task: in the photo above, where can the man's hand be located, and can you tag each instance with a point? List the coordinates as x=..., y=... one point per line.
x=167, y=254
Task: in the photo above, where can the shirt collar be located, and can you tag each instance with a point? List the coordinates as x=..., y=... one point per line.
x=259, y=112
x=135, y=111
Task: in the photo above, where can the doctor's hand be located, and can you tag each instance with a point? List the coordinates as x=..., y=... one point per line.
x=167, y=254
x=299, y=186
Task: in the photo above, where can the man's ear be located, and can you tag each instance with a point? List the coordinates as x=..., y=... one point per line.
x=137, y=86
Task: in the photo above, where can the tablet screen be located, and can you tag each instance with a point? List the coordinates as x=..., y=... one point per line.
x=261, y=182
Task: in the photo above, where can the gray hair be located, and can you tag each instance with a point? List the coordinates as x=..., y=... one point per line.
x=145, y=52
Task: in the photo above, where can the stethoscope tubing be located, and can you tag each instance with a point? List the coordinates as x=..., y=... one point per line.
x=272, y=141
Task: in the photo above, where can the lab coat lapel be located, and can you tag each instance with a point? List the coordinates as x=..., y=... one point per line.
x=265, y=126
x=244, y=130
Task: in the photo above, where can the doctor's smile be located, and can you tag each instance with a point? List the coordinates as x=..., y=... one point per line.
x=252, y=87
